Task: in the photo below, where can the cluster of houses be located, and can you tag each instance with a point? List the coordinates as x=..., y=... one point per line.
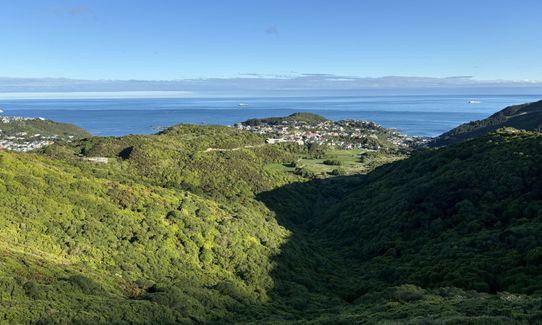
x=23, y=146
x=22, y=141
x=346, y=134
x=10, y=119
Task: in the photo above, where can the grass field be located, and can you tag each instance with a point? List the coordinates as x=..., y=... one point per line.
x=350, y=162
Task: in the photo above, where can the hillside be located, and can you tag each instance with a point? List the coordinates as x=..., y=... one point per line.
x=307, y=128
x=523, y=117
x=467, y=216
x=169, y=232
x=25, y=134
x=304, y=117
x=165, y=232
x=10, y=126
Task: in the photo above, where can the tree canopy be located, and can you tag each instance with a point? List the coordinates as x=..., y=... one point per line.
x=168, y=231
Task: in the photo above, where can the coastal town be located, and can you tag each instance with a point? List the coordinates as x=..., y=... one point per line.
x=345, y=134
x=25, y=134
x=23, y=144
x=13, y=136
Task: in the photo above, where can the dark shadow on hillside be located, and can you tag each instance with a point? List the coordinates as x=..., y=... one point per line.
x=436, y=220
x=296, y=204
x=308, y=275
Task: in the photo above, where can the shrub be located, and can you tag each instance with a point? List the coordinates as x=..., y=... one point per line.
x=86, y=285
x=332, y=162
x=338, y=172
x=304, y=172
x=291, y=164
x=406, y=293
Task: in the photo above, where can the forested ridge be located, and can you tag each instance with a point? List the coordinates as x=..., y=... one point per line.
x=524, y=117
x=168, y=232
x=306, y=117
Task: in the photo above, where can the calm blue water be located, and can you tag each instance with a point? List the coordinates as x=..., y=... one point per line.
x=413, y=115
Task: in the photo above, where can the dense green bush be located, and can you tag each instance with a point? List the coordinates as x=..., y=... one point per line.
x=300, y=117
x=332, y=162
x=303, y=172
x=338, y=172
x=435, y=217
x=194, y=225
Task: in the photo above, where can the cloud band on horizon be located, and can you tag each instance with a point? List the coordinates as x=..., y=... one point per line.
x=261, y=85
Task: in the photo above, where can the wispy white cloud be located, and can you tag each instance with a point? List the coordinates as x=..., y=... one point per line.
x=253, y=84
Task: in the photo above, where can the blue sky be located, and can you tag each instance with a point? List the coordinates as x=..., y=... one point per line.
x=131, y=39
x=483, y=40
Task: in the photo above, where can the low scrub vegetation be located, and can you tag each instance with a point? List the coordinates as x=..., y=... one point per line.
x=170, y=232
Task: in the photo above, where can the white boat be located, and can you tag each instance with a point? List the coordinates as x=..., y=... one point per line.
x=243, y=104
x=1, y=111
x=474, y=102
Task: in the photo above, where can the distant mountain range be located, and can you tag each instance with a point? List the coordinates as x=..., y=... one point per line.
x=524, y=117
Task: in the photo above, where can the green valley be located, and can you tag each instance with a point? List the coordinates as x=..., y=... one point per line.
x=270, y=162
x=170, y=232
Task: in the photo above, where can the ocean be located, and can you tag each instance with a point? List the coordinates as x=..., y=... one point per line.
x=412, y=115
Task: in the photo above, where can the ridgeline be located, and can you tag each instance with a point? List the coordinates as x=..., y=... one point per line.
x=305, y=117
x=523, y=117
x=11, y=126
x=26, y=134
